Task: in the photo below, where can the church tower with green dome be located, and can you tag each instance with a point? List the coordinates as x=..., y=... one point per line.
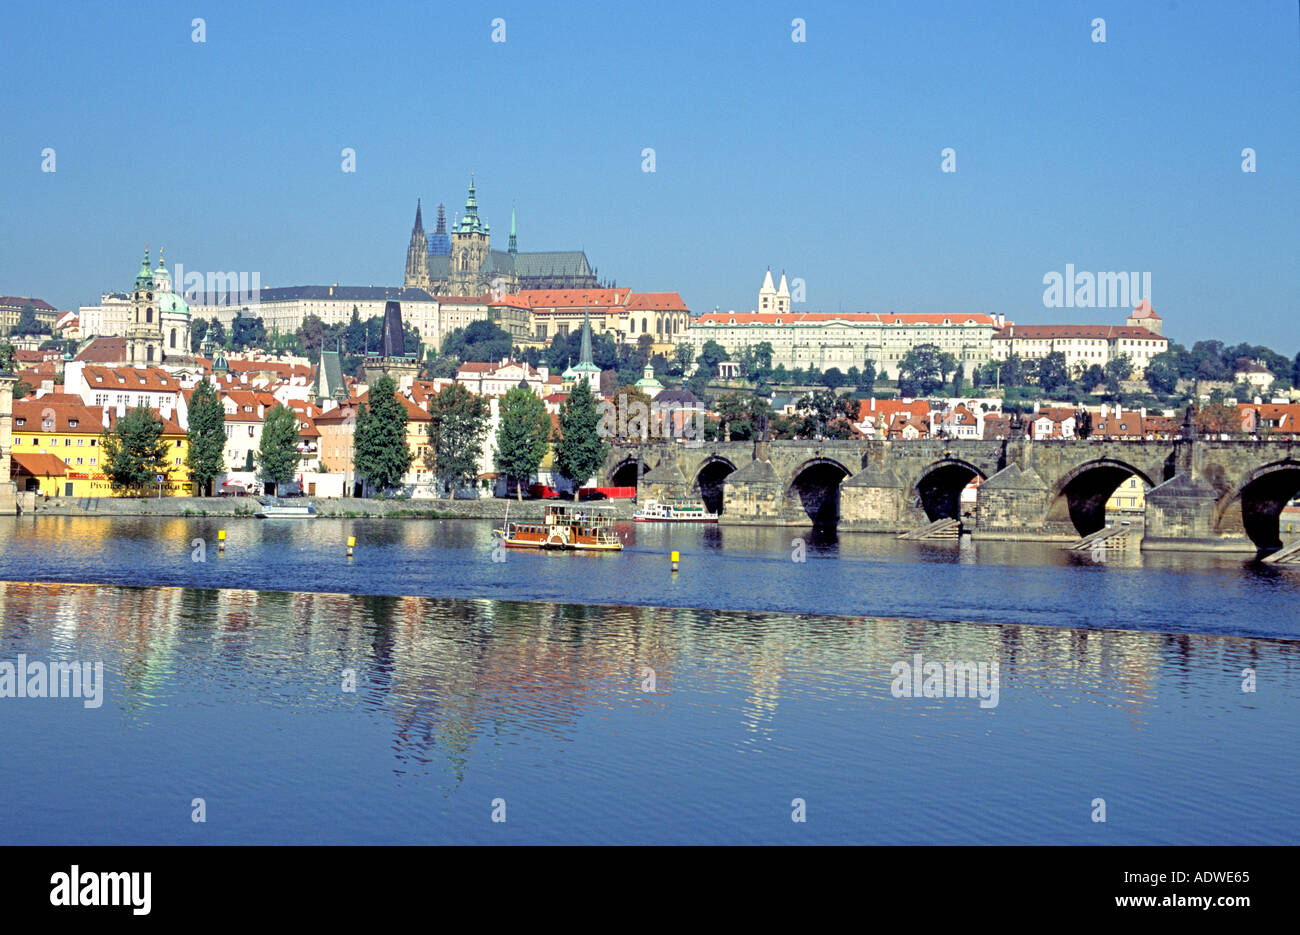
x=470, y=239
x=173, y=314
x=144, y=341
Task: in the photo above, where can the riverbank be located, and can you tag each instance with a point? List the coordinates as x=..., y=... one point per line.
x=343, y=508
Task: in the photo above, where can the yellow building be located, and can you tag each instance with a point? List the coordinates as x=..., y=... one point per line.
x=62, y=427
x=1129, y=497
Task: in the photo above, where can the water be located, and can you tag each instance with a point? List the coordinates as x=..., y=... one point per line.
x=230, y=689
x=732, y=568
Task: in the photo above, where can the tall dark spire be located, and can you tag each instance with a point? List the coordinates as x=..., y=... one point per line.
x=419, y=222
x=514, y=241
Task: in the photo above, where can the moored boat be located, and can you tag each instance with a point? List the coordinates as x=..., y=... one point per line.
x=674, y=511
x=565, y=527
x=274, y=508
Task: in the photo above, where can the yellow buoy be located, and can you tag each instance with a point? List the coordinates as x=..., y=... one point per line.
x=352, y=540
x=675, y=557
x=221, y=540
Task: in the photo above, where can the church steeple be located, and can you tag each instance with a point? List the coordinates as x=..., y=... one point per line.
x=514, y=241
x=584, y=355
x=417, y=255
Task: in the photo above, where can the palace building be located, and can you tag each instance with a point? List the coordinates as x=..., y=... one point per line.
x=462, y=262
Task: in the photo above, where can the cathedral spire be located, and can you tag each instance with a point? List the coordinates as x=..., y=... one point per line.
x=584, y=355
x=419, y=221
x=514, y=241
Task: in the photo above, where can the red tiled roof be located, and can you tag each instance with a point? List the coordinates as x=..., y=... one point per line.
x=18, y=301
x=37, y=464
x=795, y=318
x=1106, y=332
x=63, y=407
x=104, y=351
x=153, y=379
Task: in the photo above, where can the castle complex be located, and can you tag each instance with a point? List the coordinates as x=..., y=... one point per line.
x=463, y=263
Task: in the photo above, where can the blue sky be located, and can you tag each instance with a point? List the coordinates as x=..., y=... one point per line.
x=821, y=158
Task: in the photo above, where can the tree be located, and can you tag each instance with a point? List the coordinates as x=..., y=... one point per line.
x=1093, y=377
x=920, y=372
x=1295, y=372
x=1117, y=370
x=833, y=379
x=277, y=455
x=711, y=354
x=382, y=455
x=27, y=323
x=1162, y=373
x=739, y=415
x=684, y=356
x=457, y=427
x=134, y=452
x=822, y=414
x=198, y=331
x=1053, y=376
x=867, y=382
x=958, y=380
x=207, y=434
x=479, y=342
x=629, y=416
x=522, y=436
x=246, y=332
x=217, y=331
x=1217, y=418
x=579, y=451
x=7, y=355
x=354, y=335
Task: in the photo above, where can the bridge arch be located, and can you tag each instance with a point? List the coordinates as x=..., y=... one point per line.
x=1078, y=500
x=814, y=491
x=939, y=487
x=710, y=479
x=624, y=474
x=1254, y=506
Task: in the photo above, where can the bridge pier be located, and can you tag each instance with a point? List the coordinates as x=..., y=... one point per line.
x=1011, y=505
x=753, y=496
x=874, y=500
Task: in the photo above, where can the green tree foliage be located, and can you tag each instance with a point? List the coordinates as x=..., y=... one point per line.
x=480, y=342
x=134, y=452
x=523, y=435
x=959, y=380
x=207, y=436
x=580, y=451
x=739, y=414
x=684, y=356
x=27, y=323
x=277, y=455
x=1117, y=370
x=7, y=355
x=921, y=371
x=1053, y=375
x=1092, y=378
x=822, y=414
x=1162, y=373
x=457, y=427
x=867, y=381
x=218, y=332
x=711, y=354
x=354, y=334
x=382, y=456
x=247, y=331
x=565, y=350
x=198, y=331
x=833, y=379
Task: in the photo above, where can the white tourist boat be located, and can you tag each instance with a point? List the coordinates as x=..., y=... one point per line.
x=674, y=511
x=275, y=508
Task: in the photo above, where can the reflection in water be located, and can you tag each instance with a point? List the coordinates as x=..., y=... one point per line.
x=467, y=699
x=741, y=568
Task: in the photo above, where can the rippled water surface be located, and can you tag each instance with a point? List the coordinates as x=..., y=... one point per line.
x=1121, y=681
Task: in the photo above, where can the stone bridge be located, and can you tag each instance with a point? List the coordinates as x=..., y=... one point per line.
x=1201, y=493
